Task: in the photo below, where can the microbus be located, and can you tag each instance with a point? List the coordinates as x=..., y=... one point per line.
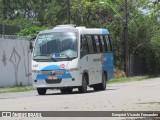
x=68, y=57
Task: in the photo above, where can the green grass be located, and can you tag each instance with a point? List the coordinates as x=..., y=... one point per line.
x=128, y=79
x=16, y=89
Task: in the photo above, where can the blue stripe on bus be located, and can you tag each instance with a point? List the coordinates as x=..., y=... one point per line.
x=53, y=67
x=68, y=75
x=108, y=65
x=65, y=76
x=41, y=77
x=105, y=31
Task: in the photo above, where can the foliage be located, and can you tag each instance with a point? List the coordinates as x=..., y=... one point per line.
x=129, y=79
x=143, y=21
x=31, y=31
x=155, y=43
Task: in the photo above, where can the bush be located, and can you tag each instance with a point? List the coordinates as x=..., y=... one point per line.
x=31, y=31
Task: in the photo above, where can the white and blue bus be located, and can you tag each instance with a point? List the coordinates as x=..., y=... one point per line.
x=68, y=57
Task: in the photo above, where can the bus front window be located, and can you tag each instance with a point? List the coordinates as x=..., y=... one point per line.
x=50, y=44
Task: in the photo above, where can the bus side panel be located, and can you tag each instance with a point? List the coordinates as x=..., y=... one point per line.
x=108, y=64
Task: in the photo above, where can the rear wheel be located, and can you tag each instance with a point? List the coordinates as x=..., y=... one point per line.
x=83, y=88
x=101, y=86
x=41, y=91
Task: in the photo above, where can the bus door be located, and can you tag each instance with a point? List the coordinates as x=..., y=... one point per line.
x=96, y=65
x=93, y=58
x=84, y=56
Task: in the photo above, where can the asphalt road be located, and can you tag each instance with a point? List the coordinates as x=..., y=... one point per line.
x=132, y=96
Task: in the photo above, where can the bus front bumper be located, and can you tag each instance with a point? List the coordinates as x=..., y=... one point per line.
x=70, y=82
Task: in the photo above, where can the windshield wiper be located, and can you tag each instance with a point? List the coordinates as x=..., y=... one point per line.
x=68, y=57
x=45, y=55
x=52, y=58
x=55, y=56
x=40, y=55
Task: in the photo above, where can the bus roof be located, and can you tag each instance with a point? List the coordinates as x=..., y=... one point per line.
x=95, y=31
x=82, y=29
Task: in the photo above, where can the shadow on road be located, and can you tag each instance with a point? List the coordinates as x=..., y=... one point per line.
x=74, y=92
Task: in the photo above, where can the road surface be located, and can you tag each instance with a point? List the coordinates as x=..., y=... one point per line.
x=132, y=96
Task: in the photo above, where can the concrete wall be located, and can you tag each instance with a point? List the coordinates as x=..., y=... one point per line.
x=15, y=63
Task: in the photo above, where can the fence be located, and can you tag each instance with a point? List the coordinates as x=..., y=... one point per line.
x=15, y=62
x=9, y=29
x=140, y=66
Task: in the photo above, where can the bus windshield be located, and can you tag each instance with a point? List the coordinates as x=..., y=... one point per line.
x=56, y=45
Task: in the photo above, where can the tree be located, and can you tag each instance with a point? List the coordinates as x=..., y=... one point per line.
x=143, y=21
x=31, y=31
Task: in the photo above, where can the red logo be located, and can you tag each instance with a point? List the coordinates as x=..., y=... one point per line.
x=62, y=66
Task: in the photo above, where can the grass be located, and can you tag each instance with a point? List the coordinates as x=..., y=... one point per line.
x=16, y=89
x=128, y=79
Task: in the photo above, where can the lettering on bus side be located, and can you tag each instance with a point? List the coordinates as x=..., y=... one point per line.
x=97, y=60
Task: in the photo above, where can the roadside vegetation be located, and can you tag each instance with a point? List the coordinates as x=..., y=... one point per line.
x=143, y=23
x=127, y=79
x=16, y=89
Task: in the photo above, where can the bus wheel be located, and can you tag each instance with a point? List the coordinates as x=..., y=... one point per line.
x=83, y=88
x=41, y=91
x=66, y=90
x=102, y=85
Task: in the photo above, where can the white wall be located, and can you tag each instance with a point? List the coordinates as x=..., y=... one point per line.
x=15, y=62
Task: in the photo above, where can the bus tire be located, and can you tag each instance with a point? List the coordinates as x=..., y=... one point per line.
x=66, y=90
x=41, y=91
x=102, y=86
x=83, y=88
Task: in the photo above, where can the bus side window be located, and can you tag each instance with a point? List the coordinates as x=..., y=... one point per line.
x=84, y=46
x=102, y=47
x=97, y=44
x=105, y=44
x=90, y=44
x=108, y=43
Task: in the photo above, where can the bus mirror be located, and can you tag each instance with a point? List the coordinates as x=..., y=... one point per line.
x=31, y=46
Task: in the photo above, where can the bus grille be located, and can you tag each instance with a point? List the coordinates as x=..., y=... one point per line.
x=53, y=72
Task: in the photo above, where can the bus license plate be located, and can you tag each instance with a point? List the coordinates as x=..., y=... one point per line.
x=52, y=78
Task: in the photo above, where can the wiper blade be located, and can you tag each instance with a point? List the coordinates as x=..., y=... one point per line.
x=40, y=55
x=59, y=56
x=68, y=57
x=45, y=55
x=52, y=58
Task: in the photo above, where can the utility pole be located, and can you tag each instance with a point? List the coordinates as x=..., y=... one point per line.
x=126, y=52
x=68, y=12
x=126, y=46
